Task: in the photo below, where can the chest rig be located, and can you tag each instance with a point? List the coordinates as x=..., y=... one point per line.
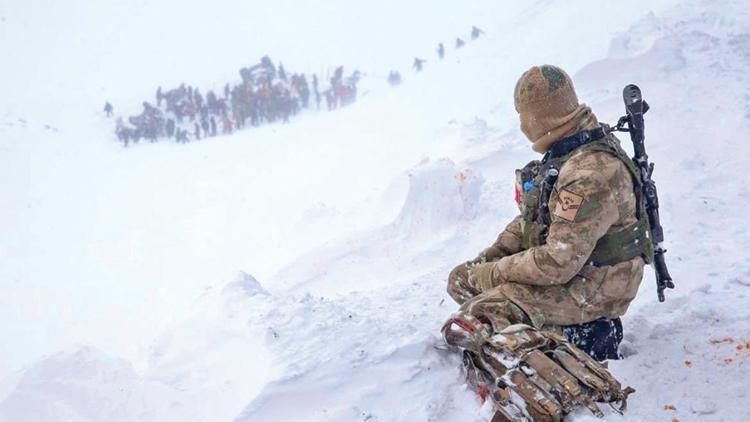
x=536, y=182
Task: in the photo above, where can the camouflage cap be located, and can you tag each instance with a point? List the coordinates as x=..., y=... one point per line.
x=548, y=106
x=545, y=88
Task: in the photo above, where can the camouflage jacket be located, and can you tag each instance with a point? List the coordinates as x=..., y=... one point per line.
x=554, y=281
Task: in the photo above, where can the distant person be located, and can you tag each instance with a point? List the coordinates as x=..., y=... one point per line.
x=330, y=99
x=197, y=99
x=204, y=125
x=182, y=136
x=394, y=78
x=315, y=90
x=304, y=90
x=476, y=32
x=227, y=126
x=170, y=128
x=459, y=43
x=213, y=126
x=441, y=51
x=108, y=109
x=418, y=64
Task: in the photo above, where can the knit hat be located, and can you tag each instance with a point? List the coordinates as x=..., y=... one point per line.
x=548, y=106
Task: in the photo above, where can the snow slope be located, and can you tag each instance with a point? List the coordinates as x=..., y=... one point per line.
x=351, y=221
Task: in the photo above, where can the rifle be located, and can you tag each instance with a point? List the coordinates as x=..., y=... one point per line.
x=632, y=123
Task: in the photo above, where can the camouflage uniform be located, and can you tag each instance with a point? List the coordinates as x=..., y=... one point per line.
x=552, y=280
x=574, y=255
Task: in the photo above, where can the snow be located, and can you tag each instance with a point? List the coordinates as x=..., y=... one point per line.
x=298, y=271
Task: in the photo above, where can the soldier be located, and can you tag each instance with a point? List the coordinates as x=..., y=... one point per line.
x=441, y=51
x=108, y=109
x=569, y=265
x=459, y=43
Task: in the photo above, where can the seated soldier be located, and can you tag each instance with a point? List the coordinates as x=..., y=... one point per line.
x=569, y=265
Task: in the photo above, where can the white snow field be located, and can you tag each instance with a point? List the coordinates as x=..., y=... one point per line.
x=297, y=271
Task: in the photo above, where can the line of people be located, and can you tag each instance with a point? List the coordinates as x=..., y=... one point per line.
x=394, y=77
x=266, y=94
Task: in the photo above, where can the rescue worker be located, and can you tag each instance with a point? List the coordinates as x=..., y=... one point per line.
x=568, y=266
x=394, y=78
x=476, y=32
x=170, y=126
x=418, y=64
x=213, y=125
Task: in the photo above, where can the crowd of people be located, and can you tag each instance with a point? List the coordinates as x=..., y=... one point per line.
x=267, y=93
x=394, y=77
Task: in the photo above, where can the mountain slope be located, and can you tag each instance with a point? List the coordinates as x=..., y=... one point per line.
x=351, y=222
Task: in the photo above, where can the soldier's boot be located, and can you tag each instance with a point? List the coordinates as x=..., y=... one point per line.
x=531, y=375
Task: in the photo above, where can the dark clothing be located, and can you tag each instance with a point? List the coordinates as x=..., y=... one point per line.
x=170, y=128
x=600, y=338
x=213, y=126
x=418, y=63
x=476, y=32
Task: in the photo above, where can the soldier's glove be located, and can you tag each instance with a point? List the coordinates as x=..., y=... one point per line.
x=491, y=254
x=483, y=277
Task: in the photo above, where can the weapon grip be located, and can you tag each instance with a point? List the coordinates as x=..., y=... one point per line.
x=663, y=279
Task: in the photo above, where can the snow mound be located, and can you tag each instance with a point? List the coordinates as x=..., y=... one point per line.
x=87, y=385
x=246, y=285
x=440, y=195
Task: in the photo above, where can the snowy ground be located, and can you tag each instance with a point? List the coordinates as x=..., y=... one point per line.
x=125, y=275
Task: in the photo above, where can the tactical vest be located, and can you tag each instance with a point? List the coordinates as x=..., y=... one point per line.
x=536, y=181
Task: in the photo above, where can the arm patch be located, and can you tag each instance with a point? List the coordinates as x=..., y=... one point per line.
x=567, y=205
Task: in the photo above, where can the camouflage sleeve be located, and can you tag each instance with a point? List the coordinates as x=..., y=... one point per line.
x=583, y=207
x=508, y=242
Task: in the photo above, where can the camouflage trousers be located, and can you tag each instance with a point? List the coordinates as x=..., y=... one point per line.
x=491, y=306
x=547, y=307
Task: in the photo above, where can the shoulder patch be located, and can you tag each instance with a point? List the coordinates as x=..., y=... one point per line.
x=568, y=204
